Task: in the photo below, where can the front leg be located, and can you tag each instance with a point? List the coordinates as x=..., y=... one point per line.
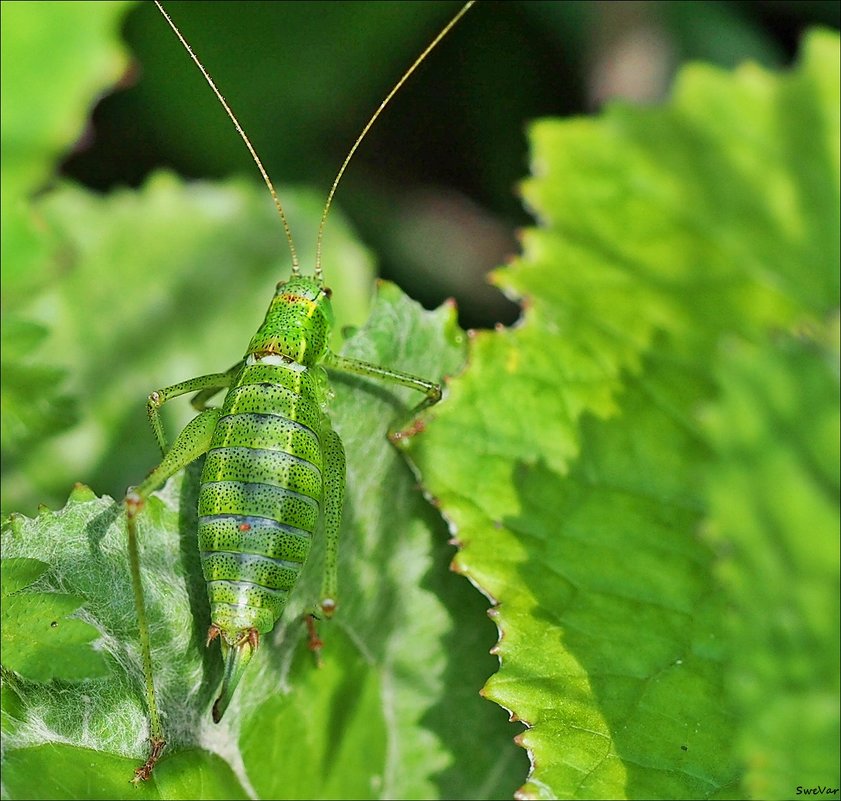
x=205, y=385
x=386, y=375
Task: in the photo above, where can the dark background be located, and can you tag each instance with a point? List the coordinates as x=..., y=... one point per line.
x=443, y=162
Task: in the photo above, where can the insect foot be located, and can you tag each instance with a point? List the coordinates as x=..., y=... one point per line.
x=314, y=642
x=143, y=773
x=401, y=437
x=212, y=633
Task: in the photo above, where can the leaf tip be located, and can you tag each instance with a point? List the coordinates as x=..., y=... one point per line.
x=81, y=493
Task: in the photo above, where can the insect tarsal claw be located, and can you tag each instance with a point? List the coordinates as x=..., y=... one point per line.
x=401, y=437
x=143, y=773
x=212, y=633
x=252, y=637
x=314, y=642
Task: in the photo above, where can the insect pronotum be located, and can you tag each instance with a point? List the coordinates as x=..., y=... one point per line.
x=274, y=472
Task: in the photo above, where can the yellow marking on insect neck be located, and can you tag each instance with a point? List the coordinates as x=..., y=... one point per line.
x=299, y=300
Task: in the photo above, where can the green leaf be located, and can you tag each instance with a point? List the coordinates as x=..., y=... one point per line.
x=572, y=464
x=66, y=771
x=54, y=64
x=32, y=409
x=15, y=574
x=40, y=640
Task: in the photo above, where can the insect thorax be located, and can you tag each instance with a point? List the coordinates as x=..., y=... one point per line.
x=297, y=324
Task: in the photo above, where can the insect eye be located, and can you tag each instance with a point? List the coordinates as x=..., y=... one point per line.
x=327, y=291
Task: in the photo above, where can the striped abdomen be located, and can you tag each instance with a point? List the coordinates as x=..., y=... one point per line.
x=261, y=494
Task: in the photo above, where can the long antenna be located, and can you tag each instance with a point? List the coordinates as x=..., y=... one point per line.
x=415, y=65
x=235, y=121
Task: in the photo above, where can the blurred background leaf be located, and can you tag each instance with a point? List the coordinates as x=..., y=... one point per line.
x=774, y=503
x=52, y=66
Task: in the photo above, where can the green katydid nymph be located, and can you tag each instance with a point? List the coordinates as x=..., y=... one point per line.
x=274, y=473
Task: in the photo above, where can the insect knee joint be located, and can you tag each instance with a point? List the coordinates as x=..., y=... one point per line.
x=134, y=503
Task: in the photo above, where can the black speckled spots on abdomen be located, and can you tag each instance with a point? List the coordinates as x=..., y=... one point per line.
x=259, y=506
x=268, y=432
x=263, y=466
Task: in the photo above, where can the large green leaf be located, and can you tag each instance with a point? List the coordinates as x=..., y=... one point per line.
x=573, y=467
x=56, y=59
